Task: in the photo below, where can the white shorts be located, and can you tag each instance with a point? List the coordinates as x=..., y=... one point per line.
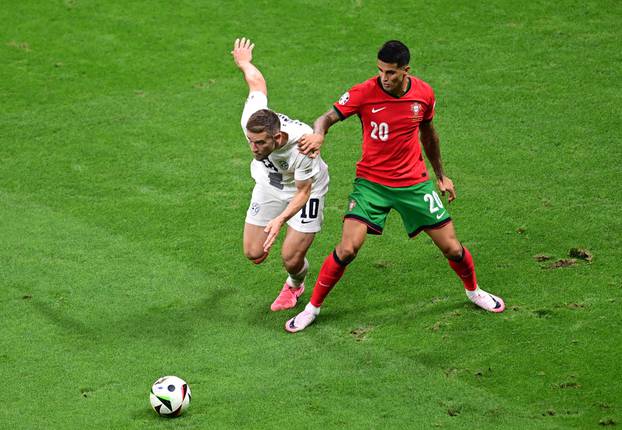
x=267, y=205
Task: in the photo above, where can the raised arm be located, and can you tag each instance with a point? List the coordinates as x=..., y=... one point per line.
x=432, y=146
x=310, y=144
x=243, y=57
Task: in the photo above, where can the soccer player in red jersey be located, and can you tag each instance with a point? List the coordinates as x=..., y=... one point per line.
x=396, y=112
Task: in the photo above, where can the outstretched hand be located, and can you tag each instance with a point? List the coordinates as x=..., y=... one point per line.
x=310, y=144
x=273, y=228
x=242, y=51
x=446, y=185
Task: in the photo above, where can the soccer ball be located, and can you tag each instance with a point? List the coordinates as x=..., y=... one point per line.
x=170, y=396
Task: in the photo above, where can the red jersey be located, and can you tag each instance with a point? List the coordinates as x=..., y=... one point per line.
x=391, y=150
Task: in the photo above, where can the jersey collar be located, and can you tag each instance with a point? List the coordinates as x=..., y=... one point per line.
x=395, y=97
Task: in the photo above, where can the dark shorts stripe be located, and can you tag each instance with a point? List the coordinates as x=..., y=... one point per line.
x=429, y=227
x=371, y=228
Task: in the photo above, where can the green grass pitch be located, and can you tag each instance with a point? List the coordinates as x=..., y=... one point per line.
x=124, y=182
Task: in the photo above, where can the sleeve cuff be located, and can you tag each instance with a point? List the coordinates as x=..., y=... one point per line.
x=341, y=116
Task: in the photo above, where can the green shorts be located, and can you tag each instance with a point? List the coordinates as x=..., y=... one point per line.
x=419, y=205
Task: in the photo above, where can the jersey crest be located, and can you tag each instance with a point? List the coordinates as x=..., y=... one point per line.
x=417, y=111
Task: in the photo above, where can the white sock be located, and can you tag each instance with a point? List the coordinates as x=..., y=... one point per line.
x=312, y=309
x=475, y=292
x=294, y=280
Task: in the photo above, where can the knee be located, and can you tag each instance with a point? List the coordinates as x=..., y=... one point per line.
x=346, y=252
x=453, y=251
x=256, y=256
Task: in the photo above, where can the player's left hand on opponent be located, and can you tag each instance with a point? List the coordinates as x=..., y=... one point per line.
x=273, y=228
x=446, y=185
x=309, y=144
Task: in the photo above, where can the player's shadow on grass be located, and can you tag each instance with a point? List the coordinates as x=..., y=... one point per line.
x=178, y=319
x=173, y=319
x=391, y=314
x=218, y=307
x=356, y=311
x=60, y=319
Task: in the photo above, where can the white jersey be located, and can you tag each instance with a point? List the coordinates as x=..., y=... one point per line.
x=285, y=165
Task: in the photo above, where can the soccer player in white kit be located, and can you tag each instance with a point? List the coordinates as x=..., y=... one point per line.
x=289, y=186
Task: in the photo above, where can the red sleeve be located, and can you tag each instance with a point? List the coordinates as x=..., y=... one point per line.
x=350, y=102
x=429, y=112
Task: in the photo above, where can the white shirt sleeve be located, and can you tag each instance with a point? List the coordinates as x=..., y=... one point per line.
x=256, y=100
x=305, y=168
